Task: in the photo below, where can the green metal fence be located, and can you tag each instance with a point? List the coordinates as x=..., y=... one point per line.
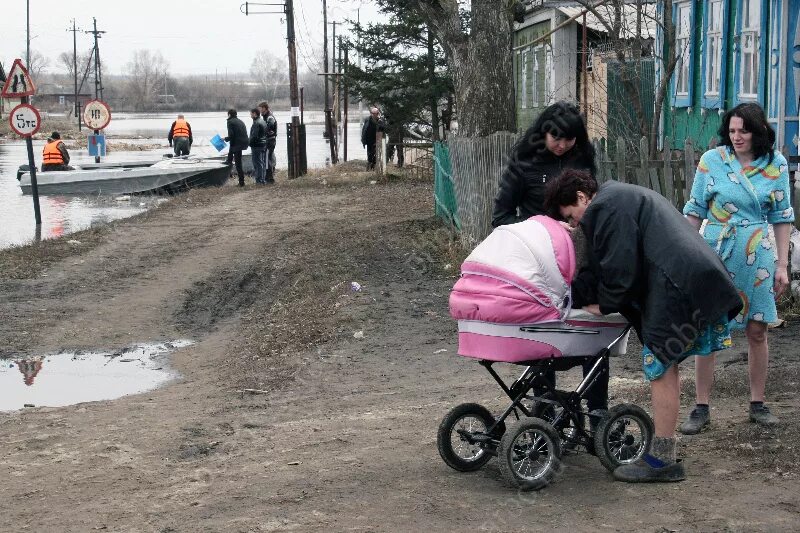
x=444, y=195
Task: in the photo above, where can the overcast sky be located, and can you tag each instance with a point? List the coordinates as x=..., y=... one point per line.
x=195, y=36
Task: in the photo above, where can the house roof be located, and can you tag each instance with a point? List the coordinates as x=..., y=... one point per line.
x=649, y=25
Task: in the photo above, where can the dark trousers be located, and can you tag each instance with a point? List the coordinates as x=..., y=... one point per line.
x=270, y=168
x=236, y=157
x=597, y=395
x=370, y=156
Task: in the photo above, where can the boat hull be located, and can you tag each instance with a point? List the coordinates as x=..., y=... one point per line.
x=167, y=175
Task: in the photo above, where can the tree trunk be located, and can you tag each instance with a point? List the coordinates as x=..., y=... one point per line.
x=480, y=63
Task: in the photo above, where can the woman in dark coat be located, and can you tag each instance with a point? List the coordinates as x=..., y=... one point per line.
x=558, y=140
x=650, y=265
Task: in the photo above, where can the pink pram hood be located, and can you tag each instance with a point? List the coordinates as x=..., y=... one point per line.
x=520, y=274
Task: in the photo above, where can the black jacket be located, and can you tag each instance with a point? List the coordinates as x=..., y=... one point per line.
x=258, y=133
x=648, y=263
x=369, y=130
x=237, y=134
x=523, y=182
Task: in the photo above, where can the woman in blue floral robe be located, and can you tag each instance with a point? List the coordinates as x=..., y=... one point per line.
x=740, y=188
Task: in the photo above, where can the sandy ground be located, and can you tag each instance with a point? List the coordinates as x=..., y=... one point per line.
x=345, y=438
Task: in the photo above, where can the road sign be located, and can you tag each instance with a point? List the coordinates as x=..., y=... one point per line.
x=96, y=115
x=25, y=120
x=18, y=83
x=97, y=145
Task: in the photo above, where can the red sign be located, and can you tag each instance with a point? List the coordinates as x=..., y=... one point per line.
x=18, y=83
x=25, y=120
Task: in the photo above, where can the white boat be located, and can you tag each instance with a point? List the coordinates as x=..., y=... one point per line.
x=167, y=175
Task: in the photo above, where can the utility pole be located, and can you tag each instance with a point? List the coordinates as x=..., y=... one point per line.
x=28, y=33
x=296, y=151
x=294, y=94
x=98, y=71
x=344, y=82
x=328, y=128
x=77, y=104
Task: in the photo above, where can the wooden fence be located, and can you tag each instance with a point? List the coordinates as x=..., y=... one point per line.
x=475, y=166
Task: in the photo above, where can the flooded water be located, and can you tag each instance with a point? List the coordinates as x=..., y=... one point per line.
x=68, y=378
x=65, y=214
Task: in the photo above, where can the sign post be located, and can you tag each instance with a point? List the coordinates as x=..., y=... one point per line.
x=25, y=121
x=96, y=116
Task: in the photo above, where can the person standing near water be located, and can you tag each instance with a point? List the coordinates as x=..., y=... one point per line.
x=180, y=136
x=258, y=146
x=272, y=136
x=237, y=137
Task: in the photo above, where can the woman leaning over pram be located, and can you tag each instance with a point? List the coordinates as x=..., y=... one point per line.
x=556, y=141
x=647, y=263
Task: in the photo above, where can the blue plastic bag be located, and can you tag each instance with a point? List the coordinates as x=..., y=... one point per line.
x=217, y=142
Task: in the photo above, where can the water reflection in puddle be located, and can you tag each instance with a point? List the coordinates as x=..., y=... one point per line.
x=72, y=377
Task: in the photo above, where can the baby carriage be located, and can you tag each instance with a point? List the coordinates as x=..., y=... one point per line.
x=513, y=305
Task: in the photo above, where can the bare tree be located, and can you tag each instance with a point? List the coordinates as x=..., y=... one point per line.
x=147, y=72
x=38, y=64
x=270, y=71
x=65, y=62
x=476, y=37
x=627, y=39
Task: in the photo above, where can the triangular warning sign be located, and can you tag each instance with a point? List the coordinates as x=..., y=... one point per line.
x=19, y=82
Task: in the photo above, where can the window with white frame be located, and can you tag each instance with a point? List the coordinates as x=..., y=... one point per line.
x=714, y=47
x=523, y=68
x=683, y=35
x=748, y=41
x=536, y=84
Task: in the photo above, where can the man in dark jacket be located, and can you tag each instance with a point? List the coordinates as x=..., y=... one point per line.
x=650, y=265
x=272, y=137
x=238, y=139
x=369, y=133
x=258, y=146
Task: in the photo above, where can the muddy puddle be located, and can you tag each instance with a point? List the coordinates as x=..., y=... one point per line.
x=67, y=378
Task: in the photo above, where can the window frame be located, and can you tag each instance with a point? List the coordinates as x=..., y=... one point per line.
x=683, y=99
x=715, y=100
x=758, y=53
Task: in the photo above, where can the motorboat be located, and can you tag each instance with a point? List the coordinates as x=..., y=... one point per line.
x=168, y=175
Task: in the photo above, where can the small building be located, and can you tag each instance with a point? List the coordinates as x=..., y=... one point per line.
x=556, y=58
x=733, y=51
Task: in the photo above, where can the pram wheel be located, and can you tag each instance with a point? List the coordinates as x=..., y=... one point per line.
x=623, y=436
x=530, y=454
x=456, y=445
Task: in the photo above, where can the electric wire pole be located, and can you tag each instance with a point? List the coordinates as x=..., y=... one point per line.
x=328, y=127
x=77, y=104
x=295, y=156
x=98, y=72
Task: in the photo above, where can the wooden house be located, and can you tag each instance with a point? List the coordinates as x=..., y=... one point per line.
x=733, y=51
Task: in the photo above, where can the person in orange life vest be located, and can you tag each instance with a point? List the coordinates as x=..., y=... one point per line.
x=55, y=155
x=180, y=136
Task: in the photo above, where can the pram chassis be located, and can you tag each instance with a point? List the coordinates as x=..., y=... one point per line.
x=552, y=418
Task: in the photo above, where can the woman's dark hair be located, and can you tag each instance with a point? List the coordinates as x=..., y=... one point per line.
x=755, y=121
x=561, y=120
x=564, y=189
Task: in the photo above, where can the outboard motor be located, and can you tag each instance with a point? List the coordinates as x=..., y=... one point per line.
x=23, y=169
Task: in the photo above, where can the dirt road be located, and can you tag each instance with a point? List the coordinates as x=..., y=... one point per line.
x=345, y=439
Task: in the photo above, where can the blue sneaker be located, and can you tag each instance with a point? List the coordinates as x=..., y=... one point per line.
x=650, y=469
